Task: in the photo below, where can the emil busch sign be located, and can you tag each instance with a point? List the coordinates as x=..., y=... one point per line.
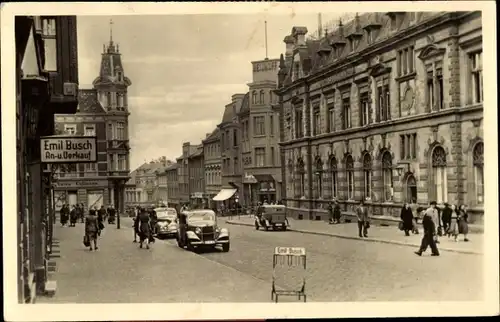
x=57, y=149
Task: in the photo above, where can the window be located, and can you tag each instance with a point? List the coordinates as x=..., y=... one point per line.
x=89, y=129
x=273, y=157
x=439, y=174
x=476, y=68
x=478, y=162
x=90, y=169
x=408, y=146
x=120, y=131
x=235, y=138
x=319, y=178
x=411, y=189
x=349, y=168
x=435, y=91
x=406, y=61
x=260, y=157
x=271, y=97
x=271, y=124
x=364, y=103
x=369, y=36
x=316, y=122
x=70, y=129
x=346, y=111
x=331, y=118
x=49, y=34
x=109, y=100
x=259, y=127
x=354, y=43
x=111, y=164
x=236, y=166
x=120, y=101
x=333, y=176
x=367, y=175
x=302, y=178
x=261, y=97
x=254, y=97
x=122, y=162
x=384, y=103
x=299, y=129
x=387, y=176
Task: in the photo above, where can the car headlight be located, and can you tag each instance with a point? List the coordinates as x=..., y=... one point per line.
x=198, y=230
x=218, y=230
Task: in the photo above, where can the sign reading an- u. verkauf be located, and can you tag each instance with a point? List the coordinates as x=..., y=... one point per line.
x=68, y=149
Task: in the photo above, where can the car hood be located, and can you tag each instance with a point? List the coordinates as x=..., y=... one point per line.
x=204, y=223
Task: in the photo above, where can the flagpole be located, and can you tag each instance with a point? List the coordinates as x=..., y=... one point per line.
x=265, y=27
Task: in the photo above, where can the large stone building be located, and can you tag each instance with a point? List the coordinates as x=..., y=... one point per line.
x=146, y=186
x=387, y=108
x=259, y=135
x=46, y=63
x=103, y=111
x=231, y=169
x=212, y=165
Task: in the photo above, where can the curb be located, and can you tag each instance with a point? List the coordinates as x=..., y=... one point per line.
x=382, y=241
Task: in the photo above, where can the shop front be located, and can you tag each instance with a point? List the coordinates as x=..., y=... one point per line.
x=197, y=200
x=265, y=190
x=90, y=193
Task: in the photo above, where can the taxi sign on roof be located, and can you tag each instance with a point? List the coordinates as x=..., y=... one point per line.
x=290, y=251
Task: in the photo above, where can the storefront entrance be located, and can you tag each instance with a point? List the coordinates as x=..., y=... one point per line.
x=267, y=197
x=95, y=198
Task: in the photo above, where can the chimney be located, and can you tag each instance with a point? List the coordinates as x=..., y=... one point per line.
x=299, y=33
x=289, y=41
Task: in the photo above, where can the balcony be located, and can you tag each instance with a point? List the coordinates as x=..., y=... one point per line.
x=119, y=174
x=118, y=145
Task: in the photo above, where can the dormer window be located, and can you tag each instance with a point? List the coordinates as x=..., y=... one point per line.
x=261, y=97
x=369, y=36
x=120, y=76
x=396, y=19
x=254, y=97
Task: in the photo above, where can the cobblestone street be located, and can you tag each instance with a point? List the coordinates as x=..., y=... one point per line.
x=337, y=270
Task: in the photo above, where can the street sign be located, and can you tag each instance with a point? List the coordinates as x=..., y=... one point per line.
x=68, y=149
x=290, y=251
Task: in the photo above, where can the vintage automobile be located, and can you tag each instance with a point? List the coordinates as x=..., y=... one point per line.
x=199, y=228
x=271, y=216
x=166, y=222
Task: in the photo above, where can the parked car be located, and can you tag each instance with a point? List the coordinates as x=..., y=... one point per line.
x=199, y=228
x=271, y=216
x=166, y=222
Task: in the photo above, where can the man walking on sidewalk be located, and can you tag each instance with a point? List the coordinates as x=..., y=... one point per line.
x=363, y=219
x=430, y=233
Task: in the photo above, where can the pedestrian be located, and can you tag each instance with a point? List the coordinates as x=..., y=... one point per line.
x=330, y=213
x=407, y=219
x=73, y=216
x=363, y=219
x=100, y=220
x=103, y=213
x=430, y=231
x=446, y=219
x=92, y=228
x=336, y=212
x=111, y=214
x=144, y=228
x=453, y=228
x=136, y=224
x=463, y=225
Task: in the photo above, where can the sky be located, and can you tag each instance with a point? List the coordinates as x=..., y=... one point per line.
x=183, y=68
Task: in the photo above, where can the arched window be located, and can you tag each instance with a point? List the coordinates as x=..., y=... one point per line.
x=349, y=168
x=478, y=162
x=411, y=189
x=333, y=176
x=439, y=174
x=319, y=178
x=254, y=97
x=270, y=97
x=261, y=98
x=367, y=175
x=302, y=178
x=387, y=176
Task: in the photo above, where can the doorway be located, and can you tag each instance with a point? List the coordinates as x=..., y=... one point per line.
x=72, y=198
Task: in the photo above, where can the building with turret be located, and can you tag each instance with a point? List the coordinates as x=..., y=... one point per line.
x=103, y=112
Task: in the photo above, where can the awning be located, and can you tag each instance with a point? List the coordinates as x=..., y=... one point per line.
x=224, y=194
x=277, y=178
x=263, y=177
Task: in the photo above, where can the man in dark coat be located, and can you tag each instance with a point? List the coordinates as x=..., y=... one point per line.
x=330, y=214
x=112, y=214
x=430, y=231
x=336, y=212
x=407, y=218
x=446, y=218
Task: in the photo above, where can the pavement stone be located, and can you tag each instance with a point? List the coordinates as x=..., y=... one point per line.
x=121, y=272
x=381, y=234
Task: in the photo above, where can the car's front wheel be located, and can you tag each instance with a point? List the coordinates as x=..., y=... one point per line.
x=225, y=247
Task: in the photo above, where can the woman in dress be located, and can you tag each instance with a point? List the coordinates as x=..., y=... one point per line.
x=144, y=228
x=463, y=226
x=92, y=228
x=453, y=230
x=407, y=219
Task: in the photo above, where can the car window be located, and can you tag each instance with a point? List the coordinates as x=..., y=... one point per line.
x=164, y=214
x=202, y=216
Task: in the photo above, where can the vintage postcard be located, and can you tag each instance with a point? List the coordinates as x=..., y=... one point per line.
x=173, y=161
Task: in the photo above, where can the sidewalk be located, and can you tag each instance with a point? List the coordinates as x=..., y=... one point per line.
x=381, y=234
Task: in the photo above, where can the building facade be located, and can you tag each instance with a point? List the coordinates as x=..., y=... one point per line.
x=387, y=108
x=231, y=169
x=46, y=84
x=259, y=124
x=196, y=166
x=212, y=166
x=172, y=185
x=131, y=191
x=102, y=112
x=184, y=172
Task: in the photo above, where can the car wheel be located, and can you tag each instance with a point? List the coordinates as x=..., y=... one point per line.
x=225, y=247
x=189, y=246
